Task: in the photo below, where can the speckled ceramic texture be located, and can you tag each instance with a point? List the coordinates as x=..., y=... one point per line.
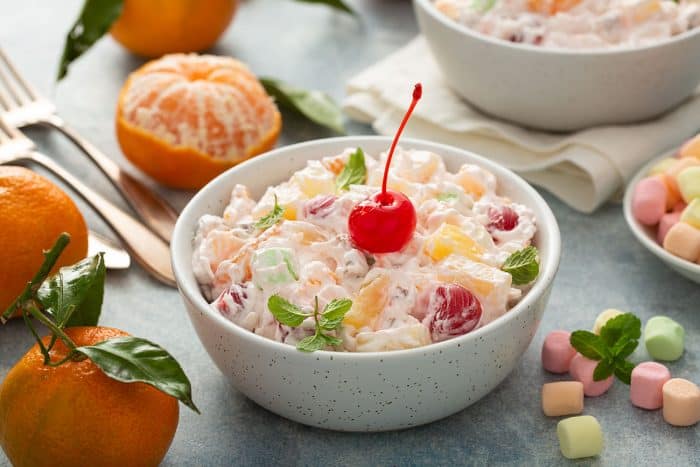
x=647, y=235
x=560, y=89
x=363, y=391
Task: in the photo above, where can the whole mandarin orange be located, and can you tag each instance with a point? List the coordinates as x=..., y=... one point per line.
x=33, y=213
x=184, y=119
x=74, y=415
x=152, y=28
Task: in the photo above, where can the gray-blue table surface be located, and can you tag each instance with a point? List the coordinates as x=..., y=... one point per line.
x=602, y=265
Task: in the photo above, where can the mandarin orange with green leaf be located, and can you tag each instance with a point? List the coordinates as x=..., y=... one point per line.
x=34, y=212
x=183, y=119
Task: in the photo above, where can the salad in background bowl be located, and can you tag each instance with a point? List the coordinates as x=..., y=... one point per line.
x=370, y=390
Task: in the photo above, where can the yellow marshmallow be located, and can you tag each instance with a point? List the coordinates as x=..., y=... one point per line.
x=662, y=166
x=604, y=317
x=691, y=213
x=689, y=183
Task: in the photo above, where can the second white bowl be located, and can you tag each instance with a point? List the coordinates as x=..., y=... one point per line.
x=561, y=89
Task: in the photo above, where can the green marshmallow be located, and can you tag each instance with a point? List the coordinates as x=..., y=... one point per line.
x=580, y=437
x=274, y=266
x=664, y=338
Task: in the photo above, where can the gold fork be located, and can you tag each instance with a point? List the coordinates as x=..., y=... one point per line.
x=22, y=106
x=150, y=251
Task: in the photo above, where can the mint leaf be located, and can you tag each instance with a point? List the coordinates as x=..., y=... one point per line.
x=73, y=296
x=95, y=19
x=523, y=265
x=589, y=345
x=270, y=218
x=623, y=371
x=354, y=172
x=602, y=371
x=337, y=4
x=623, y=349
x=445, y=197
x=312, y=343
x=314, y=105
x=286, y=312
x=334, y=313
x=625, y=326
x=132, y=359
x=332, y=340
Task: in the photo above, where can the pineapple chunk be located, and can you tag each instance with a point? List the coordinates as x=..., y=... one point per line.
x=369, y=303
x=490, y=285
x=315, y=179
x=449, y=239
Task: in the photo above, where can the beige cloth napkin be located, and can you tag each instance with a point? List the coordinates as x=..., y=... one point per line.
x=584, y=169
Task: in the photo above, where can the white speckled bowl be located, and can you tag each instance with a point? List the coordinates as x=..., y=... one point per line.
x=368, y=391
x=647, y=235
x=561, y=89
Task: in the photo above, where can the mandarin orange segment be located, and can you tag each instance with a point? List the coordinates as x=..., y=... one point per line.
x=33, y=213
x=449, y=239
x=551, y=7
x=369, y=303
x=183, y=119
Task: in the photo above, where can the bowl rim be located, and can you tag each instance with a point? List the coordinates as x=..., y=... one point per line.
x=429, y=8
x=189, y=289
x=639, y=231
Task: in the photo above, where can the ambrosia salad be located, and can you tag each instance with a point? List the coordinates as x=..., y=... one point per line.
x=576, y=24
x=292, y=255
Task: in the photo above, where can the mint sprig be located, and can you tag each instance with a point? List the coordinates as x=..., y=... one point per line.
x=523, y=265
x=354, y=172
x=618, y=339
x=271, y=218
x=330, y=319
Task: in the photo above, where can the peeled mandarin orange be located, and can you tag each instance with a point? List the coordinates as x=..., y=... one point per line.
x=551, y=7
x=152, y=28
x=75, y=415
x=33, y=213
x=183, y=119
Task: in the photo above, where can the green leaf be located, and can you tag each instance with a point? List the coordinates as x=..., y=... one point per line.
x=286, y=312
x=270, y=218
x=314, y=105
x=337, y=4
x=95, y=19
x=332, y=340
x=334, y=313
x=523, y=265
x=624, y=348
x=602, y=371
x=354, y=172
x=589, y=345
x=50, y=259
x=73, y=296
x=312, y=343
x=623, y=371
x=132, y=359
x=625, y=326
x=445, y=197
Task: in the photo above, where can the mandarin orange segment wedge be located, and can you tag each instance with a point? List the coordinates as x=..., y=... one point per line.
x=551, y=7
x=183, y=119
x=369, y=303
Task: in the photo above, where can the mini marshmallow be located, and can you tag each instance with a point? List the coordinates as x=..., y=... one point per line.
x=673, y=196
x=690, y=148
x=681, y=402
x=557, y=352
x=689, y=183
x=662, y=166
x=604, y=317
x=679, y=166
x=562, y=398
x=649, y=200
x=691, y=213
x=580, y=437
x=683, y=240
x=669, y=220
x=648, y=379
x=581, y=369
x=664, y=338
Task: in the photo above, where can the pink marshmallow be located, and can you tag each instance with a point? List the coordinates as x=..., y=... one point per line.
x=557, y=352
x=648, y=380
x=667, y=221
x=649, y=200
x=581, y=369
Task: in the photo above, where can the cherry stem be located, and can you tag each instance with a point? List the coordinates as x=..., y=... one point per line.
x=417, y=93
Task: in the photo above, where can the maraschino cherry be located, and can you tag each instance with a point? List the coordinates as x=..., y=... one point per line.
x=385, y=222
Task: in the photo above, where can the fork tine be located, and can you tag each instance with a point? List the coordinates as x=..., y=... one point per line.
x=28, y=88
